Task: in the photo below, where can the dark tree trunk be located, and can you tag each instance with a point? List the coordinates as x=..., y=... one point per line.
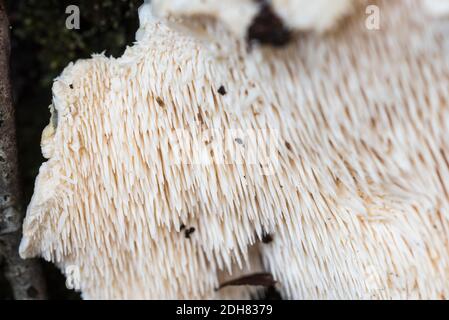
x=24, y=276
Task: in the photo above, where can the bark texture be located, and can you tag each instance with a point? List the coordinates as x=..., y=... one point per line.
x=24, y=276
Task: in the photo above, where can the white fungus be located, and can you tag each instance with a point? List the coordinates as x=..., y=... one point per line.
x=438, y=8
x=237, y=15
x=344, y=160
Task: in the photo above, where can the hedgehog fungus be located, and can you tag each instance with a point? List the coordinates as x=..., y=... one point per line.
x=192, y=161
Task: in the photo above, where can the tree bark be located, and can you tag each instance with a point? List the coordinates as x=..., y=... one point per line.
x=24, y=276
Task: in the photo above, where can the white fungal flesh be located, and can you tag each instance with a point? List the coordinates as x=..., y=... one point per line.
x=437, y=7
x=319, y=15
x=236, y=14
x=356, y=196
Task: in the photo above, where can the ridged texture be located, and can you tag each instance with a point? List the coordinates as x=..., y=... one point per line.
x=357, y=197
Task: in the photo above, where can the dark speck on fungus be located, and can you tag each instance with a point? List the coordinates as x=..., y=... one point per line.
x=222, y=90
x=267, y=238
x=200, y=118
x=188, y=232
x=160, y=102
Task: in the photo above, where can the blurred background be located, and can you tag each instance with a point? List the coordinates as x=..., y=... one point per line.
x=41, y=47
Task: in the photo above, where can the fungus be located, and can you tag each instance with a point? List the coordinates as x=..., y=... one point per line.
x=160, y=102
x=267, y=238
x=439, y=8
x=358, y=201
x=263, y=21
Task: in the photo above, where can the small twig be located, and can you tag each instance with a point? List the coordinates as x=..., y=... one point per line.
x=24, y=277
x=256, y=279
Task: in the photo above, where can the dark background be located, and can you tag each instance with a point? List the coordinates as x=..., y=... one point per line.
x=41, y=47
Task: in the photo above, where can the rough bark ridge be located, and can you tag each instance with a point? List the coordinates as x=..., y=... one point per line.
x=24, y=276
